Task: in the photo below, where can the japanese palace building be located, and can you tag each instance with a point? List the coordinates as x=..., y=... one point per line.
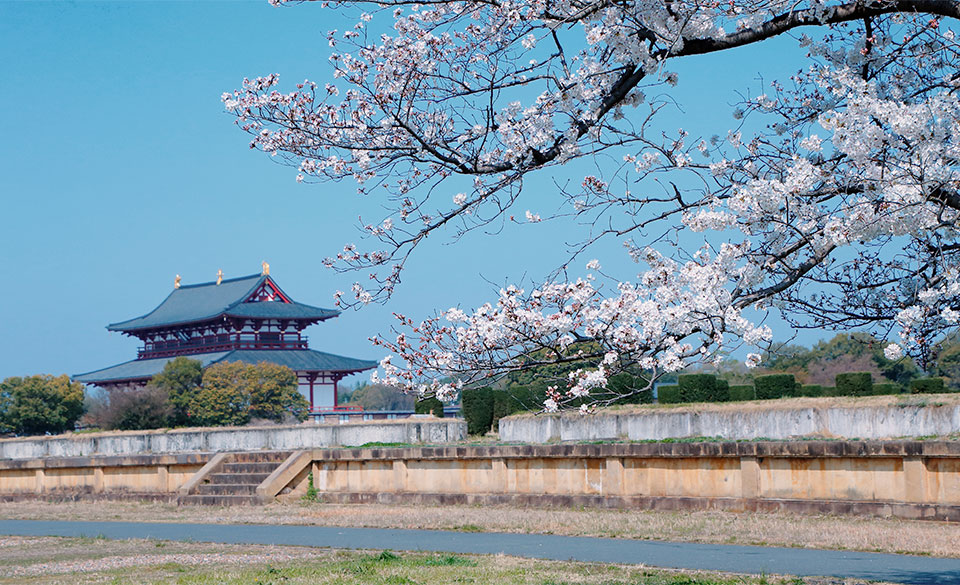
x=247, y=319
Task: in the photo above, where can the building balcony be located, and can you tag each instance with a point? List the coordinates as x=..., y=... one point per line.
x=223, y=342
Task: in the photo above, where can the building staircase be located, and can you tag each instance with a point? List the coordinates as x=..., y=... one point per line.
x=232, y=479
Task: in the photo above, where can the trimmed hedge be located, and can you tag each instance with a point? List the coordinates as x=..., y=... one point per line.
x=775, y=386
x=830, y=391
x=624, y=382
x=477, y=405
x=484, y=407
x=696, y=387
x=668, y=394
x=886, y=388
x=795, y=391
x=702, y=388
x=431, y=405
x=927, y=386
x=723, y=390
x=740, y=393
x=527, y=397
x=854, y=384
x=503, y=405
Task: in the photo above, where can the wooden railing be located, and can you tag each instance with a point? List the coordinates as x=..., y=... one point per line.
x=222, y=342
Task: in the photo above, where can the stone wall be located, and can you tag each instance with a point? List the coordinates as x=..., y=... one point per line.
x=280, y=438
x=133, y=476
x=913, y=479
x=887, y=419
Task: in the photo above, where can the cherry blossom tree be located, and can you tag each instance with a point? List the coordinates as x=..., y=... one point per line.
x=839, y=211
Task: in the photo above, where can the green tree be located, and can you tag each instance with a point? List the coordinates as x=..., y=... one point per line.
x=477, y=406
x=947, y=363
x=786, y=357
x=536, y=369
x=429, y=405
x=628, y=387
x=223, y=398
x=40, y=404
x=231, y=393
x=274, y=394
x=5, y=401
x=132, y=409
x=381, y=397
x=180, y=379
x=844, y=352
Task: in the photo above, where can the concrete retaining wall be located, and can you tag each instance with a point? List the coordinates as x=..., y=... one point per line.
x=280, y=438
x=913, y=479
x=881, y=421
x=136, y=476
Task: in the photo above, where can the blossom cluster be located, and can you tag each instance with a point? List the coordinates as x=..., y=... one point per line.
x=841, y=212
x=675, y=313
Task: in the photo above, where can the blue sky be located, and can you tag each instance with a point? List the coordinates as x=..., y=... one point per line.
x=120, y=170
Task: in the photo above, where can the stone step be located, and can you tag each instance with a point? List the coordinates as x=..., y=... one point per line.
x=259, y=456
x=218, y=500
x=246, y=467
x=229, y=489
x=232, y=478
x=236, y=481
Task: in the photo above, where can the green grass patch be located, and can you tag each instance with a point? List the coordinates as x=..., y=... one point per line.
x=305, y=566
x=449, y=561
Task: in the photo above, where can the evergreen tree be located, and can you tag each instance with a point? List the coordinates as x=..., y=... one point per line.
x=40, y=404
x=180, y=378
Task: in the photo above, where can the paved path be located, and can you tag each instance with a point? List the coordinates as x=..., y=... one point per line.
x=740, y=559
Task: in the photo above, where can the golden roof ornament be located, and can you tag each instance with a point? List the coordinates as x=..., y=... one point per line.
x=176, y=282
x=219, y=276
x=266, y=268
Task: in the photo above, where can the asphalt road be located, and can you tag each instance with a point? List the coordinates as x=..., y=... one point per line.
x=741, y=559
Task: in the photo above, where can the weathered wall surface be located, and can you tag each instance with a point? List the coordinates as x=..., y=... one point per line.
x=280, y=438
x=914, y=479
x=911, y=479
x=883, y=421
x=116, y=476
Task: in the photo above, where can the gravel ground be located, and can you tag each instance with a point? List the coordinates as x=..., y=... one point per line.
x=98, y=561
x=27, y=557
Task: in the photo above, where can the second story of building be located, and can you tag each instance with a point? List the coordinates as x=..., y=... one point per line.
x=250, y=312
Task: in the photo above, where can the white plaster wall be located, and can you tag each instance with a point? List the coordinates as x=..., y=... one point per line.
x=292, y=437
x=867, y=422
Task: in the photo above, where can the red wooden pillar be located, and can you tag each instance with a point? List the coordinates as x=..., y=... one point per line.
x=312, y=378
x=335, y=401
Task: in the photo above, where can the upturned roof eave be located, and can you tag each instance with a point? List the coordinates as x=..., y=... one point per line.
x=322, y=314
x=119, y=326
x=218, y=316
x=104, y=377
x=165, y=325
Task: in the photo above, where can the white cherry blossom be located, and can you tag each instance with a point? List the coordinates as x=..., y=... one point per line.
x=840, y=212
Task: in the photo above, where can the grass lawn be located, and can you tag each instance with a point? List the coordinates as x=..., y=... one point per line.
x=828, y=532
x=50, y=561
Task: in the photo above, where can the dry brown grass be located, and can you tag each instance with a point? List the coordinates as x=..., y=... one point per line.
x=21, y=558
x=69, y=561
x=829, y=532
x=903, y=400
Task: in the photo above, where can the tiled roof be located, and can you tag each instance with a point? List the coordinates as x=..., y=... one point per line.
x=140, y=369
x=276, y=310
x=196, y=303
x=296, y=359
